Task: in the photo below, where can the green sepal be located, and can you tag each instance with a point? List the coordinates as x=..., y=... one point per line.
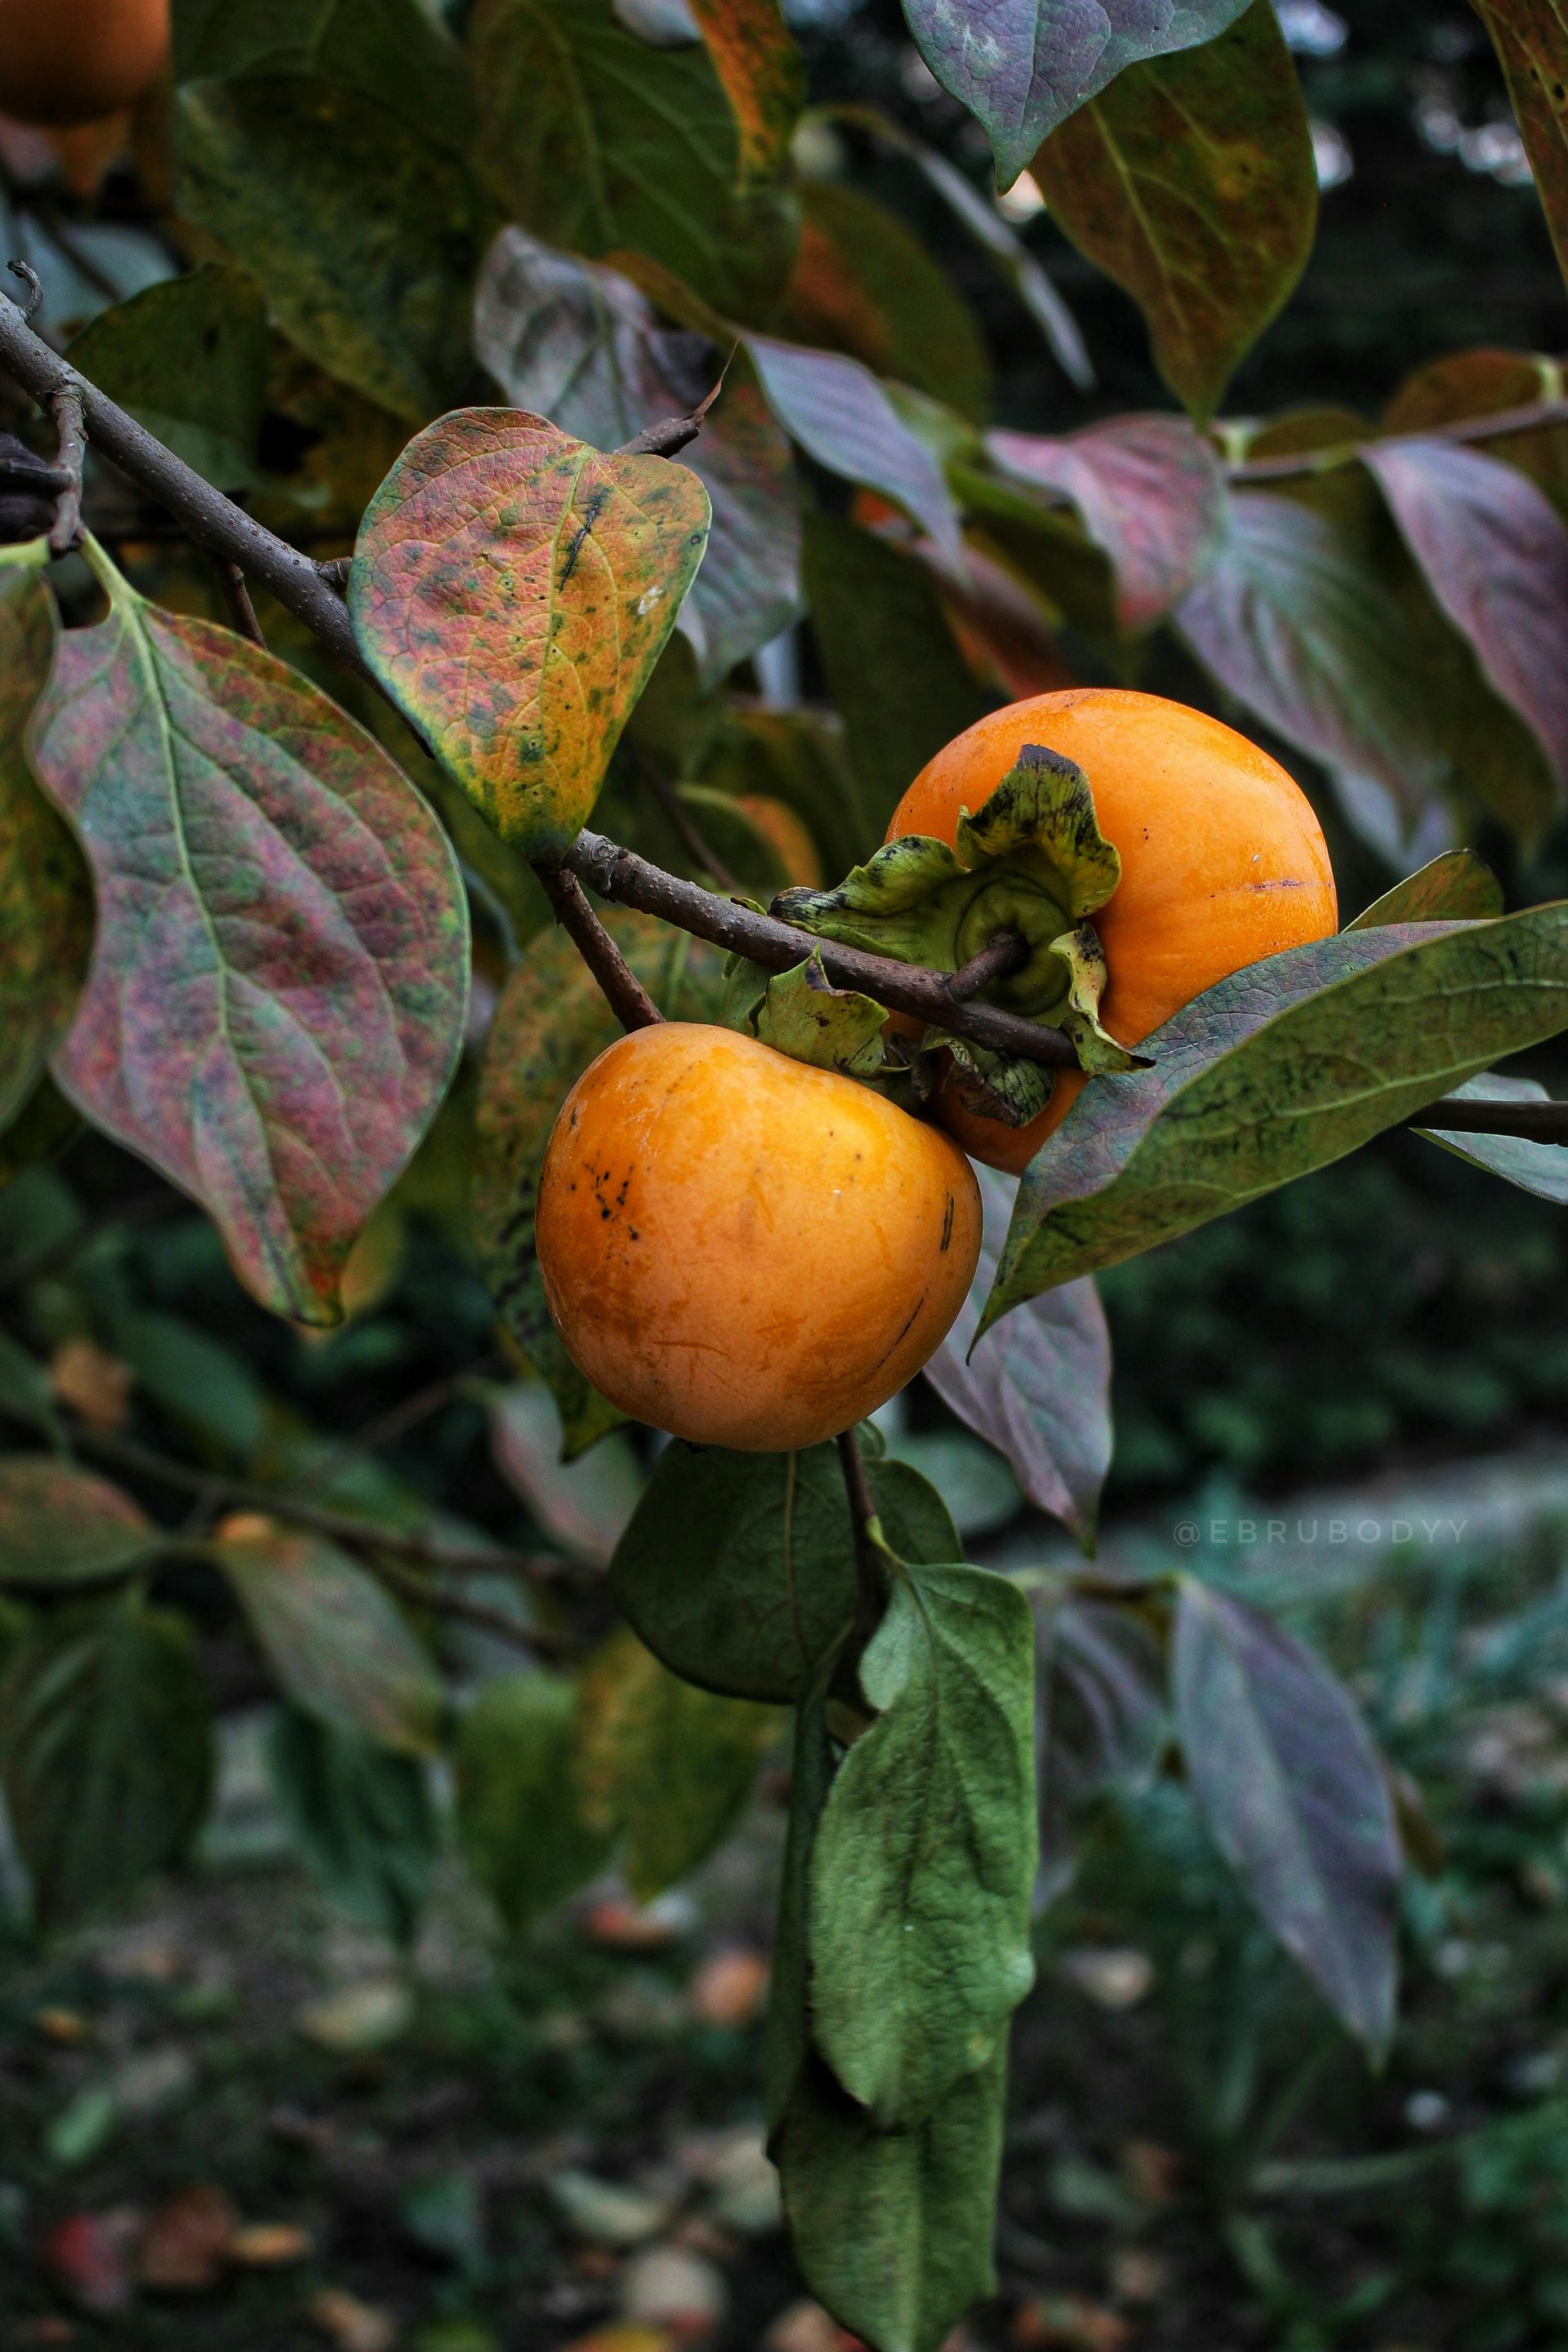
x=989, y=1085
x=801, y=1013
x=1098, y=1051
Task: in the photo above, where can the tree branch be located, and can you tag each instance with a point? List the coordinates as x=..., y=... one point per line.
x=66, y=409
x=1532, y=418
x=628, y=999
x=621, y=875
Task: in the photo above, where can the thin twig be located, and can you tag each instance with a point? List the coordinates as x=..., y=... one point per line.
x=386, y=1428
x=628, y=999
x=693, y=840
x=671, y=434
x=34, y=285
x=542, y=1640
x=64, y=407
x=214, y=521
x=620, y=874
x=1533, y=417
x=236, y=596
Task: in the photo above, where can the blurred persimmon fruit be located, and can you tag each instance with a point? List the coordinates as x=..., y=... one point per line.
x=66, y=62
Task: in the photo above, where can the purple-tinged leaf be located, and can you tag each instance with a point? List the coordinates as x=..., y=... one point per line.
x=276, y=994
x=1038, y=1387
x=1486, y=383
x=46, y=904
x=1312, y=642
x=340, y=1647
x=1023, y=66
x=1495, y=555
x=1282, y=1069
x=1150, y=494
x=1099, y=1714
x=59, y=1523
x=1285, y=1774
x=579, y=343
x=840, y=416
x=581, y=1505
x=513, y=590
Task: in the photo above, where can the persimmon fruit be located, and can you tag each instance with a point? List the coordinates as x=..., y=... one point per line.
x=74, y=61
x=1223, y=861
x=786, y=833
x=741, y=1249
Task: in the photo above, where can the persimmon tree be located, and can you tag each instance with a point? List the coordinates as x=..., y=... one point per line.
x=581, y=392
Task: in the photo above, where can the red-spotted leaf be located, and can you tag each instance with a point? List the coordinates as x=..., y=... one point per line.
x=1191, y=181
x=513, y=590
x=840, y=416
x=1284, y=1772
x=1023, y=66
x=61, y=1524
x=45, y=905
x=763, y=72
x=1038, y=1387
x=1495, y=555
x=340, y=1647
x=276, y=994
x=581, y=344
x=1531, y=37
x=1150, y=494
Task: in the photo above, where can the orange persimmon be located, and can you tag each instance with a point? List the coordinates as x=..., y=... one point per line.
x=75, y=61
x=741, y=1249
x=1223, y=861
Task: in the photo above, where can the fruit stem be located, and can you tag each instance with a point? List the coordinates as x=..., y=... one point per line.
x=628, y=999
x=871, y=1574
x=995, y=959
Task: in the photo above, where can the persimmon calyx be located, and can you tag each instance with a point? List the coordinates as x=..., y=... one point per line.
x=801, y=1013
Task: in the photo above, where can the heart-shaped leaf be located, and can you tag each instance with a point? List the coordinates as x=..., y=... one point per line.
x=1151, y=496
x=1023, y=66
x=550, y=1023
x=513, y=590
x=581, y=344
x=763, y=72
x=59, y=1523
x=738, y=1569
x=340, y=1647
x=46, y=904
x=1191, y=181
x=188, y=358
x=105, y=1753
x=1494, y=552
x=1038, y=1388
x=1285, y=1774
x=1283, y=1067
x=279, y=984
x=924, y=1857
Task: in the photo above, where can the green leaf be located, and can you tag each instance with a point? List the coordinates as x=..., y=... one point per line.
x=1456, y=885
x=105, y=1754
x=1028, y=64
x=208, y=1389
x=189, y=359
x=738, y=1569
x=865, y=284
x=893, y=662
x=1283, y=1067
x=240, y=828
x=1531, y=37
x=362, y=232
x=582, y=346
x=513, y=590
x=842, y=416
x=46, y=905
x=1191, y=181
x=1286, y=1776
x=924, y=1857
x=551, y=1022
x=394, y=50
x=661, y=1765
x=521, y=1822
x=797, y=757
x=361, y=1815
x=893, y=2231
x=1538, y=1167
x=763, y=75
x=801, y=1013
x=61, y=1524
x=600, y=143
x=340, y=1647
x=787, y=2037
x=1037, y=1387
x=1484, y=383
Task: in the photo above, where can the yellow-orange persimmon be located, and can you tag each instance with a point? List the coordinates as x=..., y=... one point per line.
x=1223, y=861
x=743, y=1250
x=74, y=61
x=786, y=833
